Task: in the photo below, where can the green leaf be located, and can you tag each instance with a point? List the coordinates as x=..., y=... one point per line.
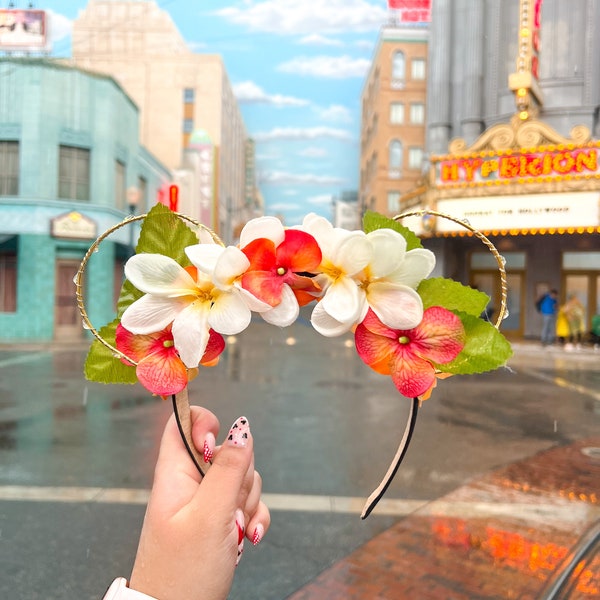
x=373, y=221
x=485, y=349
x=452, y=295
x=102, y=366
x=163, y=232
x=129, y=294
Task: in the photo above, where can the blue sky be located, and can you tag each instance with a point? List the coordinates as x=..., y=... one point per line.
x=297, y=68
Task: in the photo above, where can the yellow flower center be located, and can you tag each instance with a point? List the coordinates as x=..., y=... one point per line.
x=332, y=271
x=168, y=343
x=281, y=271
x=403, y=339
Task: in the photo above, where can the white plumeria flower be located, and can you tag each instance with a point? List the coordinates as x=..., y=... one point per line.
x=192, y=305
x=345, y=254
x=390, y=279
x=224, y=267
x=362, y=271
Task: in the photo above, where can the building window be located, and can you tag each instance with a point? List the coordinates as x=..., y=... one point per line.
x=398, y=66
x=393, y=202
x=188, y=125
x=8, y=282
x=143, y=192
x=189, y=95
x=120, y=190
x=9, y=168
x=395, y=159
x=396, y=113
x=417, y=113
x=415, y=158
x=74, y=173
x=417, y=68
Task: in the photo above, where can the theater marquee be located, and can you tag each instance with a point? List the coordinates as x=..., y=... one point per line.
x=524, y=165
x=528, y=213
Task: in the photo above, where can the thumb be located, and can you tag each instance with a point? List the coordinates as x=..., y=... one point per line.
x=230, y=477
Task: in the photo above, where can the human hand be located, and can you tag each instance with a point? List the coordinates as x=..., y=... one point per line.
x=188, y=547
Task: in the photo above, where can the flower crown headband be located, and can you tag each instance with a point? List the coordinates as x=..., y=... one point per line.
x=184, y=290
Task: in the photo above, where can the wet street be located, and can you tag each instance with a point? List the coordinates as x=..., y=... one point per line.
x=76, y=458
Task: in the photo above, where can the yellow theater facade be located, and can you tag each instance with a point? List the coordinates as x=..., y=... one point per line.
x=536, y=195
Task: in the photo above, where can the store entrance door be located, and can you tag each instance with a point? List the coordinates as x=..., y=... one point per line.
x=489, y=282
x=67, y=320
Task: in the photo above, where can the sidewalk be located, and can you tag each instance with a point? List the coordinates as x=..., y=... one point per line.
x=500, y=536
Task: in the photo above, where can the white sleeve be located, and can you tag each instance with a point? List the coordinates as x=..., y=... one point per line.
x=119, y=591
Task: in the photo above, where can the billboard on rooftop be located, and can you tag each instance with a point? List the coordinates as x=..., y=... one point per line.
x=22, y=30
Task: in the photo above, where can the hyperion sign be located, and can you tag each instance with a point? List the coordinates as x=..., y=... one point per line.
x=23, y=29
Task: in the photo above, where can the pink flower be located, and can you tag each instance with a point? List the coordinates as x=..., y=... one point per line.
x=159, y=368
x=410, y=355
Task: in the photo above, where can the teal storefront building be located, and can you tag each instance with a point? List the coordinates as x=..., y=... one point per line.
x=71, y=167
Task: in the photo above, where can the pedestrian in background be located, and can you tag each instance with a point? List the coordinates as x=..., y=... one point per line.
x=575, y=314
x=562, y=326
x=548, y=306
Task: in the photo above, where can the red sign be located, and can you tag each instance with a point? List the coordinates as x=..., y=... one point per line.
x=173, y=197
x=412, y=11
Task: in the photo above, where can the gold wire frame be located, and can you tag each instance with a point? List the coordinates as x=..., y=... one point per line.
x=499, y=258
x=78, y=280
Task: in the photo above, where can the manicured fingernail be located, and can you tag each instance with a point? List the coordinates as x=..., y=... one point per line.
x=238, y=434
x=240, y=522
x=209, y=447
x=259, y=531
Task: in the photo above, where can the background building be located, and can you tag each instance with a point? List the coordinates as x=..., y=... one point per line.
x=70, y=157
x=346, y=213
x=512, y=110
x=393, y=117
x=178, y=92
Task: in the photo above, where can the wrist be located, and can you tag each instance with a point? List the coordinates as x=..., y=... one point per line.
x=119, y=590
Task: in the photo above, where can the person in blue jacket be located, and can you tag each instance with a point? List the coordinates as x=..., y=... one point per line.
x=549, y=309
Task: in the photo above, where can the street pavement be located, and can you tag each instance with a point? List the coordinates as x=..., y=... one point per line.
x=76, y=460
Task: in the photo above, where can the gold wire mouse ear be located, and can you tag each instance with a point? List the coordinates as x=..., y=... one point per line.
x=500, y=260
x=411, y=422
x=180, y=400
x=78, y=280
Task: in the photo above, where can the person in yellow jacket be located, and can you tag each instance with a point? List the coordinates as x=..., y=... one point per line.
x=562, y=326
x=575, y=315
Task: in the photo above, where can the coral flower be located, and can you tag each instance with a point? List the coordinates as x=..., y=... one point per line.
x=410, y=355
x=278, y=258
x=159, y=368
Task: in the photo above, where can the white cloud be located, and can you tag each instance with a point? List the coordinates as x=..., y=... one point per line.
x=331, y=67
x=285, y=178
x=313, y=152
x=320, y=200
x=297, y=17
x=60, y=27
x=249, y=92
x=364, y=44
x=197, y=46
x=290, y=192
x=335, y=112
x=280, y=206
x=299, y=133
x=316, y=39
